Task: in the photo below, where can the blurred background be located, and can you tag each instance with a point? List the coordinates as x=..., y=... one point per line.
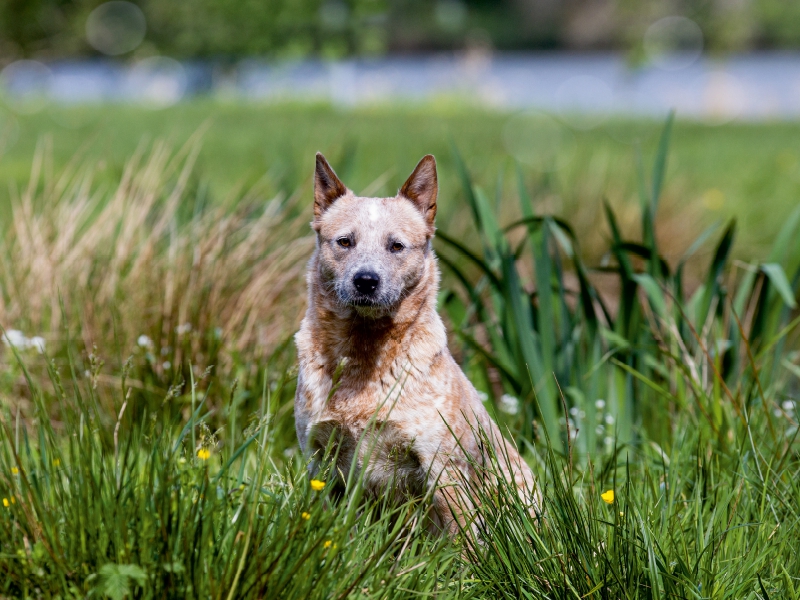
x=569, y=90
x=229, y=31
x=156, y=155
x=618, y=56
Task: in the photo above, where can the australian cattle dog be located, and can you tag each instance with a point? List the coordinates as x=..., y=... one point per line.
x=374, y=366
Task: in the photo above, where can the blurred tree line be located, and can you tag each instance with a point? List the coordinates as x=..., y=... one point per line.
x=330, y=28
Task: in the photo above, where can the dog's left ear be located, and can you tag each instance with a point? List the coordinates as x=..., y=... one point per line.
x=422, y=187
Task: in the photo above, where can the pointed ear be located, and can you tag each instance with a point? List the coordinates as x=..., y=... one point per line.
x=422, y=187
x=327, y=186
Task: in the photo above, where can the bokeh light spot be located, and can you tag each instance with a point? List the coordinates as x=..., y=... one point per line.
x=539, y=141
x=584, y=102
x=157, y=82
x=26, y=86
x=673, y=43
x=116, y=27
x=334, y=15
x=724, y=97
x=714, y=199
x=450, y=15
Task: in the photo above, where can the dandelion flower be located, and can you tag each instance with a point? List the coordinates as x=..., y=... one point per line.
x=203, y=454
x=317, y=485
x=6, y=503
x=14, y=471
x=306, y=516
x=608, y=497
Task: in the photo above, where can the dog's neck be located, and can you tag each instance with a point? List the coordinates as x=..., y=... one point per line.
x=411, y=331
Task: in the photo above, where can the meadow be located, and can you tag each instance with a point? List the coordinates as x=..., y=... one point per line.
x=629, y=310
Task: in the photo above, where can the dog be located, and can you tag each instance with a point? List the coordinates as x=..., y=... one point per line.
x=375, y=373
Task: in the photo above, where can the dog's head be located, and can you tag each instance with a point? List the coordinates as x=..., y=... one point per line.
x=373, y=251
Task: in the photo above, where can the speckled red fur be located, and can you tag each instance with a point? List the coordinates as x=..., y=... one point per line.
x=396, y=376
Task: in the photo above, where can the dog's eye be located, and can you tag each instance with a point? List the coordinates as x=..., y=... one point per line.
x=397, y=246
x=344, y=242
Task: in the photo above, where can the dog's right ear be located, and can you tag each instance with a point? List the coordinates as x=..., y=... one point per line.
x=327, y=186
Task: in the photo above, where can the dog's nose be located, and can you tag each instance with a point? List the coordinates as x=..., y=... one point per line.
x=366, y=282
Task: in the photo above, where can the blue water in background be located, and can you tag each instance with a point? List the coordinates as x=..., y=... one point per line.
x=747, y=87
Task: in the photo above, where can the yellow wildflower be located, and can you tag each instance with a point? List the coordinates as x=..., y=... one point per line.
x=608, y=497
x=14, y=471
x=306, y=516
x=6, y=503
x=328, y=544
x=56, y=462
x=317, y=485
x=203, y=454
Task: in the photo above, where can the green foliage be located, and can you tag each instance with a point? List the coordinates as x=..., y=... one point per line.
x=117, y=581
x=291, y=28
x=227, y=29
x=218, y=29
x=676, y=391
x=119, y=505
x=554, y=344
x=261, y=151
x=694, y=523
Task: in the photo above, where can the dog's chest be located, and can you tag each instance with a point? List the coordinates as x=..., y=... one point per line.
x=356, y=391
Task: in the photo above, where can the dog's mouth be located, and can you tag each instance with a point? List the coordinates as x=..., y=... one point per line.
x=365, y=302
x=368, y=306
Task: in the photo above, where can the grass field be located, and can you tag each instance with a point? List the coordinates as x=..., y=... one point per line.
x=751, y=172
x=149, y=291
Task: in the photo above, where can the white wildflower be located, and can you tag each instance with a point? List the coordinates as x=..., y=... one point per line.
x=185, y=328
x=144, y=341
x=509, y=404
x=609, y=419
x=167, y=365
x=483, y=396
x=600, y=404
x=37, y=342
x=16, y=339
x=787, y=405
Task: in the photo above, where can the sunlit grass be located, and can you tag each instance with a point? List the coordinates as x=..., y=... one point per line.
x=147, y=444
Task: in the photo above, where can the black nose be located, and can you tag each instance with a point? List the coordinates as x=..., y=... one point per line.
x=366, y=282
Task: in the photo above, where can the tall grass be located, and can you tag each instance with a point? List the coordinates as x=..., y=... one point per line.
x=152, y=268
x=543, y=332
x=151, y=507
x=149, y=451
x=695, y=523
